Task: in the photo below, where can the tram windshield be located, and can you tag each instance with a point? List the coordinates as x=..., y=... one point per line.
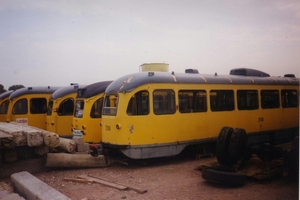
x=110, y=104
x=4, y=107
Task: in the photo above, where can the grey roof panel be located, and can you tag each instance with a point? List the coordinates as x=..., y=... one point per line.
x=129, y=82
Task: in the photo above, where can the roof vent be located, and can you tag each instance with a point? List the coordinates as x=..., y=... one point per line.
x=150, y=74
x=191, y=71
x=290, y=75
x=248, y=72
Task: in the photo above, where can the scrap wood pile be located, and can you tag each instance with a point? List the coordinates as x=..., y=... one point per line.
x=14, y=135
x=106, y=182
x=60, y=152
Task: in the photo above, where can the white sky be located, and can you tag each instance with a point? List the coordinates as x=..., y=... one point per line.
x=57, y=42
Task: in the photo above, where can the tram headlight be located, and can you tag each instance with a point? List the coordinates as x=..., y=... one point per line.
x=118, y=126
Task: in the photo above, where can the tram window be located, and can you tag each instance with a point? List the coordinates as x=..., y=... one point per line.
x=66, y=108
x=247, y=99
x=110, y=104
x=192, y=101
x=221, y=100
x=164, y=102
x=38, y=105
x=139, y=104
x=4, y=107
x=269, y=99
x=96, y=111
x=49, y=109
x=20, y=107
x=79, y=109
x=289, y=98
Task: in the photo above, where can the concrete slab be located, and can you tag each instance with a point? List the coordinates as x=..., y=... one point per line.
x=32, y=188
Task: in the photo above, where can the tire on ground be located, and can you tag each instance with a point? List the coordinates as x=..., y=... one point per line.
x=223, y=144
x=237, y=145
x=224, y=178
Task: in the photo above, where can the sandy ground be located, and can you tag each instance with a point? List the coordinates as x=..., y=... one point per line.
x=167, y=178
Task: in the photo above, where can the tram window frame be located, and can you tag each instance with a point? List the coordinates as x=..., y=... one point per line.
x=138, y=104
x=269, y=99
x=4, y=107
x=289, y=98
x=218, y=103
x=191, y=101
x=247, y=99
x=110, y=104
x=96, y=110
x=79, y=107
x=20, y=107
x=161, y=101
x=38, y=105
x=66, y=107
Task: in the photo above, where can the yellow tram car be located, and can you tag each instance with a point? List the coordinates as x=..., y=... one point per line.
x=28, y=106
x=157, y=114
x=61, y=109
x=4, y=102
x=88, y=112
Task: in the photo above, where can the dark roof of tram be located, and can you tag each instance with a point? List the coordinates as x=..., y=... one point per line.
x=92, y=89
x=33, y=90
x=65, y=91
x=131, y=81
x=5, y=94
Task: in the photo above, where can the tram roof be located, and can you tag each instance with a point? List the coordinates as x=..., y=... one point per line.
x=92, y=89
x=5, y=94
x=65, y=91
x=33, y=90
x=131, y=81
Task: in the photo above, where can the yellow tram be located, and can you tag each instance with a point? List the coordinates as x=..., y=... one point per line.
x=88, y=112
x=29, y=106
x=61, y=109
x=4, y=102
x=157, y=114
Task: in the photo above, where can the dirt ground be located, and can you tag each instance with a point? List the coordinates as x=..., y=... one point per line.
x=167, y=178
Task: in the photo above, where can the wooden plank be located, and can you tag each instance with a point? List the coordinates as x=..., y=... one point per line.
x=106, y=183
x=139, y=190
x=79, y=180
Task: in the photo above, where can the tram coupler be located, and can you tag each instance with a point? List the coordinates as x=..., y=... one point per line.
x=96, y=149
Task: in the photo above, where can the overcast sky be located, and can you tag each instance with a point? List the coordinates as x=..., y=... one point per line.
x=58, y=42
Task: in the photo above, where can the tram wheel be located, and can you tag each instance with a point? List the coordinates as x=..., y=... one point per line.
x=224, y=178
x=237, y=145
x=223, y=144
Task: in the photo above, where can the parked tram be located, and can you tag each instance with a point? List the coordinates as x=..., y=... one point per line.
x=61, y=109
x=29, y=106
x=88, y=112
x=158, y=114
x=4, y=102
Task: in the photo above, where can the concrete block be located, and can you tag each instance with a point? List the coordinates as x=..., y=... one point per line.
x=32, y=188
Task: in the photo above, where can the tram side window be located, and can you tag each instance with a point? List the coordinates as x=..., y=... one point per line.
x=38, y=105
x=247, y=99
x=192, y=101
x=269, y=99
x=20, y=107
x=164, y=102
x=4, y=107
x=289, y=98
x=49, y=109
x=79, y=109
x=221, y=100
x=96, y=111
x=139, y=104
x=66, y=108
